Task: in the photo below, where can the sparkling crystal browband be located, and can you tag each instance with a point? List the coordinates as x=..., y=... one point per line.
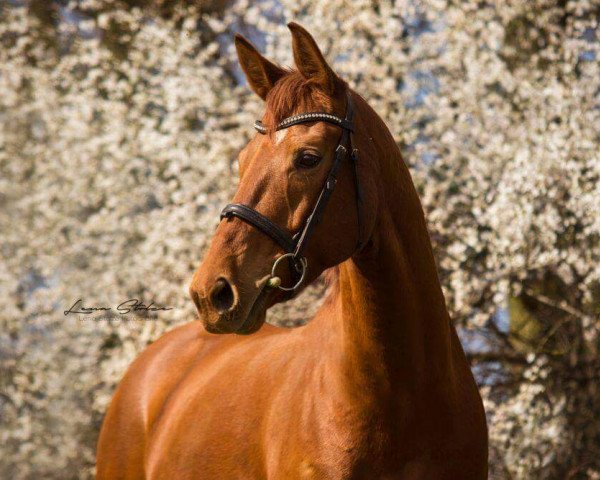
x=305, y=118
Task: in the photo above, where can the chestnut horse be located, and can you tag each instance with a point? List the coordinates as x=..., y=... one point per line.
x=375, y=386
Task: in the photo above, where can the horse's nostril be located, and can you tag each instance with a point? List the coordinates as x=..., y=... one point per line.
x=221, y=296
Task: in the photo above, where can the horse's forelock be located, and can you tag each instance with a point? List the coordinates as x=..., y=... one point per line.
x=290, y=95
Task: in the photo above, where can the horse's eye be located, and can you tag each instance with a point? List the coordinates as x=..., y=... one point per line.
x=307, y=160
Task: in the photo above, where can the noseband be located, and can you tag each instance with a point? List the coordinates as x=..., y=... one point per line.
x=294, y=245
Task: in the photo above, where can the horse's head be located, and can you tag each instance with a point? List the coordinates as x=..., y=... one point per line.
x=285, y=171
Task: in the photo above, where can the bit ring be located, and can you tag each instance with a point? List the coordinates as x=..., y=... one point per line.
x=303, y=264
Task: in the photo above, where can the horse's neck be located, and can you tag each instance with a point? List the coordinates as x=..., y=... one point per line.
x=390, y=319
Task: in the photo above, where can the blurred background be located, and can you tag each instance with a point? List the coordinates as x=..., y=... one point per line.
x=120, y=123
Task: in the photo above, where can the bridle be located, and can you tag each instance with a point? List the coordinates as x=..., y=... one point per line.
x=294, y=245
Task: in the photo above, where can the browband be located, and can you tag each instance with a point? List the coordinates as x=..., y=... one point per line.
x=306, y=118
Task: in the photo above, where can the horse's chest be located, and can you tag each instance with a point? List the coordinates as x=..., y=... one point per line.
x=293, y=434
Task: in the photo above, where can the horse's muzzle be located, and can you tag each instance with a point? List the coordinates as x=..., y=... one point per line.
x=222, y=310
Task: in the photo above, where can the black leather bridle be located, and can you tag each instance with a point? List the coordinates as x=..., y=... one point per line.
x=294, y=245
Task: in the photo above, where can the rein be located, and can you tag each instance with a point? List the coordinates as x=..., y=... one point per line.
x=294, y=245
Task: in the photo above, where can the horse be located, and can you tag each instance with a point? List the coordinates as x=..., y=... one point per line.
x=376, y=385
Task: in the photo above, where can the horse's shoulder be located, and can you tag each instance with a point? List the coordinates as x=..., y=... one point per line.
x=160, y=367
x=142, y=392
x=175, y=345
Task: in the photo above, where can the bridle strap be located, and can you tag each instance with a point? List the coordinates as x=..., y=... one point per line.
x=317, y=213
x=260, y=222
x=359, y=198
x=295, y=246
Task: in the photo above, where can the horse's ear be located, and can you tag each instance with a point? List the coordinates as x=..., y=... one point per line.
x=310, y=61
x=260, y=72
